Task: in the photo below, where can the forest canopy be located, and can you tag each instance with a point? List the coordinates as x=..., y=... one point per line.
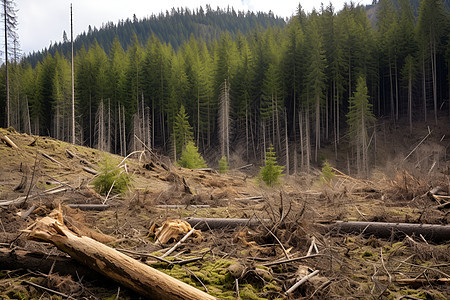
x=286, y=83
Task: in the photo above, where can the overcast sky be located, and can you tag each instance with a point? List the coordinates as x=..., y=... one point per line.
x=43, y=21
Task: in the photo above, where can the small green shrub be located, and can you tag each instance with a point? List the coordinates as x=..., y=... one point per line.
x=111, y=175
x=327, y=173
x=190, y=158
x=223, y=165
x=271, y=172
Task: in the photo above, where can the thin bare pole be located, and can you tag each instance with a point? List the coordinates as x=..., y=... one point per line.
x=73, y=86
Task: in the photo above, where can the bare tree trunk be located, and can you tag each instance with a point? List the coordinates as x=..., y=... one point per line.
x=198, y=116
x=286, y=142
x=224, y=120
x=120, y=131
x=392, y=91
x=396, y=91
x=124, y=136
x=326, y=118
x=264, y=139
x=308, y=142
x=8, y=121
x=246, y=130
x=434, y=76
x=302, y=147
x=410, y=103
x=424, y=88
x=73, y=84
x=317, y=146
x=27, y=120
x=278, y=134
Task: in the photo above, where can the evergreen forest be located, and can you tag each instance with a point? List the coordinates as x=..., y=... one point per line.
x=235, y=83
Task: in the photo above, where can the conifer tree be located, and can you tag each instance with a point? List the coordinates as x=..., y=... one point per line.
x=190, y=158
x=316, y=74
x=359, y=118
x=432, y=26
x=182, y=131
x=271, y=172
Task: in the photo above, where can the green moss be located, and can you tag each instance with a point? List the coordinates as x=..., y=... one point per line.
x=217, y=278
x=417, y=294
x=271, y=287
x=246, y=291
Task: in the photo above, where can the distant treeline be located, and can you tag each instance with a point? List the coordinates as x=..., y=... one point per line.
x=174, y=27
x=290, y=85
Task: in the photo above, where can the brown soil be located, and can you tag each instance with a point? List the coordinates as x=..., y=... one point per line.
x=350, y=266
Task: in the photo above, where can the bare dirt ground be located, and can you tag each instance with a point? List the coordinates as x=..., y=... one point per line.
x=242, y=260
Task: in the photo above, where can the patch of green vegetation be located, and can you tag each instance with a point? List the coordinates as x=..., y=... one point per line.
x=246, y=291
x=217, y=278
x=223, y=165
x=416, y=294
x=327, y=173
x=111, y=177
x=369, y=255
x=190, y=158
x=271, y=172
x=396, y=247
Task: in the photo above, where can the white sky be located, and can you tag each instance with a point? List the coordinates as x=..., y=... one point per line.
x=43, y=21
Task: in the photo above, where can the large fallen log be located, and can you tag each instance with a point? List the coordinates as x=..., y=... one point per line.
x=14, y=259
x=215, y=223
x=432, y=232
x=125, y=270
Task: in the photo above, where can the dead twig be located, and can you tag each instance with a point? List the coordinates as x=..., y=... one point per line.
x=179, y=243
x=274, y=236
x=32, y=178
x=273, y=263
x=48, y=290
x=301, y=281
x=420, y=143
x=25, y=214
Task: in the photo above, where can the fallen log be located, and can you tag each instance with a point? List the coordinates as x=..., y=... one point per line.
x=216, y=223
x=8, y=142
x=22, y=198
x=89, y=170
x=209, y=170
x=53, y=160
x=433, y=232
x=125, y=270
x=14, y=259
x=178, y=206
x=244, y=167
x=97, y=207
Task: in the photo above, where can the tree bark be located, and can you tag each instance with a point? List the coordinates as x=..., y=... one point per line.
x=436, y=233
x=133, y=274
x=214, y=223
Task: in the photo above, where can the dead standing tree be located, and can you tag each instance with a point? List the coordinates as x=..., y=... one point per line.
x=10, y=25
x=224, y=119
